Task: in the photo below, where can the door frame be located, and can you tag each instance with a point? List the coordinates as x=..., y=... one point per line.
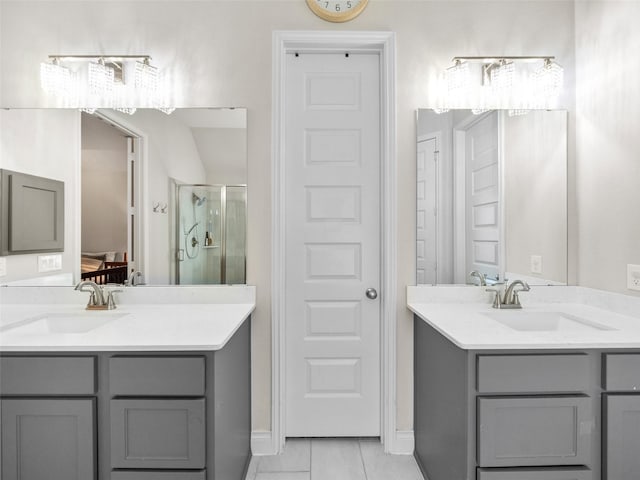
x=332, y=41
x=141, y=186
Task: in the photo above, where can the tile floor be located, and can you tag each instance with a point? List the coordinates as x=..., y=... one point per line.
x=334, y=459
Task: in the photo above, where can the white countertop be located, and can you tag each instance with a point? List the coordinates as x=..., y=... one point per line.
x=465, y=316
x=198, y=320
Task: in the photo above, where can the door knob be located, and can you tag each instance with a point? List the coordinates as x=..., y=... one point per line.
x=371, y=293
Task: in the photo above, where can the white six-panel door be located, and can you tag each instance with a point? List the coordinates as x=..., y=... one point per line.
x=332, y=158
x=483, y=196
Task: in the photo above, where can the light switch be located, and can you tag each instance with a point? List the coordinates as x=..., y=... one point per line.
x=536, y=263
x=3, y=266
x=633, y=277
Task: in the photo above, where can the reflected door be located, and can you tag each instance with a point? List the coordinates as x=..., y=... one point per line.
x=426, y=245
x=483, y=196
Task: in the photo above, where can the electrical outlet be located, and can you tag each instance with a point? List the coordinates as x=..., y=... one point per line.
x=633, y=277
x=49, y=263
x=3, y=266
x=536, y=263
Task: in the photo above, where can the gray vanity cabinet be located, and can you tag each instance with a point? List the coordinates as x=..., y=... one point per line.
x=503, y=414
x=127, y=415
x=48, y=439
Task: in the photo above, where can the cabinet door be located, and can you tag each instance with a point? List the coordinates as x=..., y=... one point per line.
x=150, y=433
x=537, y=474
x=622, y=437
x=534, y=431
x=47, y=439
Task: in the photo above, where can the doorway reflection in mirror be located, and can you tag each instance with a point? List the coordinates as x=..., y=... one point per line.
x=491, y=196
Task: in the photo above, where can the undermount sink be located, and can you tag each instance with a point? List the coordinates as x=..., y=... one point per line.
x=64, y=323
x=524, y=321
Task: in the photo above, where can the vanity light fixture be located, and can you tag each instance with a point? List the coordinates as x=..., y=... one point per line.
x=121, y=82
x=511, y=82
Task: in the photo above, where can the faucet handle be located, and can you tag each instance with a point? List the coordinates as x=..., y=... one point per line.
x=111, y=303
x=515, y=300
x=497, y=301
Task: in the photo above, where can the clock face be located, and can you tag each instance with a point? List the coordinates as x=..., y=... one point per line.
x=337, y=10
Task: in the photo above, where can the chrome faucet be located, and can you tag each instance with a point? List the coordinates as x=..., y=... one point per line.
x=481, y=278
x=131, y=281
x=97, y=300
x=510, y=298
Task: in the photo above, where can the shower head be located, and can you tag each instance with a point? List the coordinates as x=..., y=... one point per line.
x=197, y=200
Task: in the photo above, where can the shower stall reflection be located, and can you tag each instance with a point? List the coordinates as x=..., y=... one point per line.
x=210, y=238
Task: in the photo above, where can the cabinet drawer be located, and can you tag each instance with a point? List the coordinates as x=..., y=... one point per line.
x=47, y=375
x=622, y=372
x=153, y=433
x=537, y=474
x=532, y=373
x=169, y=376
x=158, y=475
x=534, y=431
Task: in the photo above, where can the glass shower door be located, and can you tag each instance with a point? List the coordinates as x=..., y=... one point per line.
x=199, y=234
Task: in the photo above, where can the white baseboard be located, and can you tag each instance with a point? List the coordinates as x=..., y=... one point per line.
x=262, y=443
x=402, y=444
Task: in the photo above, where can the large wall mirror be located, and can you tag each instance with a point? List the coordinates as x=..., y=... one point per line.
x=491, y=196
x=162, y=194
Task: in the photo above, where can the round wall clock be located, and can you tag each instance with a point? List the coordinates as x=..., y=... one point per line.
x=337, y=10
